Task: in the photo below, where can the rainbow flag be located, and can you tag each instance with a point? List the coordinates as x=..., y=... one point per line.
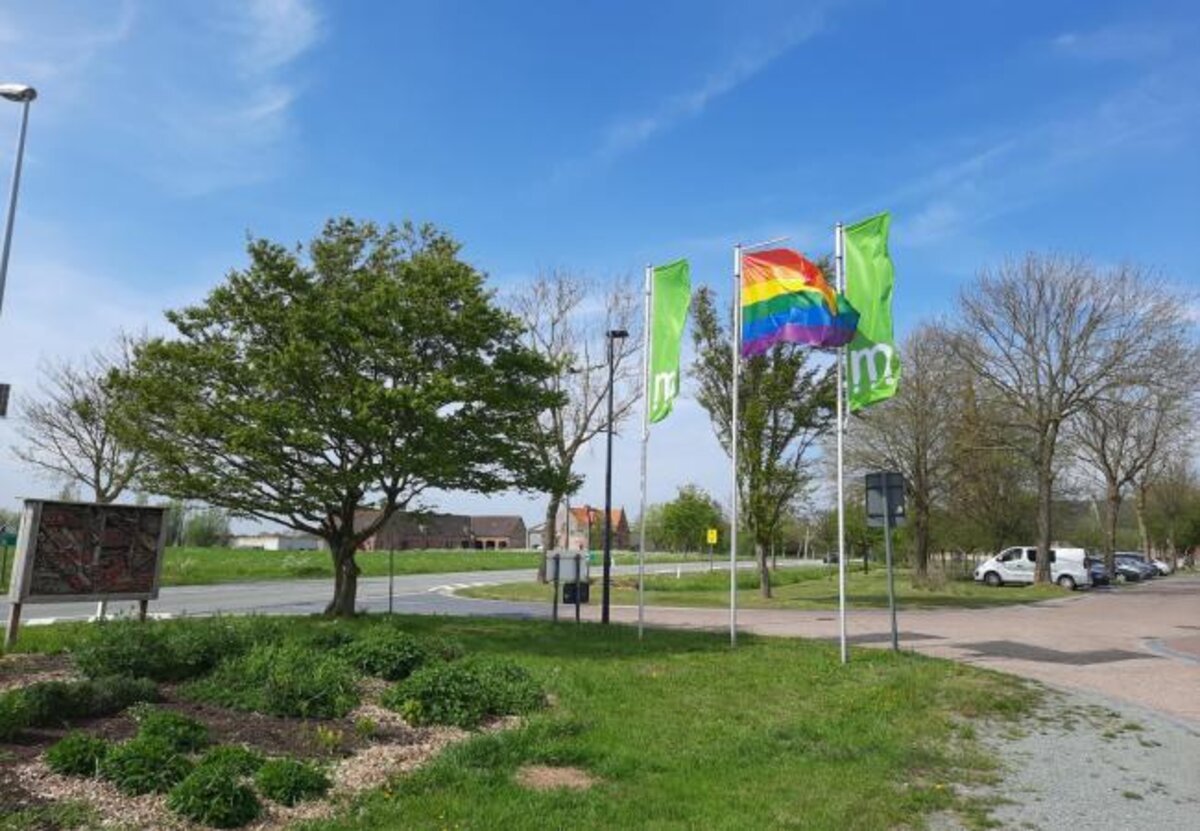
x=785, y=299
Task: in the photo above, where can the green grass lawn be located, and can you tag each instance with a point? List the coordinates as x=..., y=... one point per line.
x=681, y=732
x=799, y=588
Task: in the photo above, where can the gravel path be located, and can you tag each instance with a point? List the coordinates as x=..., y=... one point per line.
x=1088, y=762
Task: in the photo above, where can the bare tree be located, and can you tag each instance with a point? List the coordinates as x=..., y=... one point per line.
x=1050, y=336
x=1124, y=436
x=912, y=434
x=69, y=429
x=566, y=319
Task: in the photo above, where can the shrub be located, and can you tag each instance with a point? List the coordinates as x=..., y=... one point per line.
x=78, y=754
x=209, y=795
x=289, y=679
x=164, y=651
x=465, y=693
x=288, y=781
x=391, y=654
x=14, y=714
x=182, y=733
x=114, y=693
x=124, y=647
x=144, y=765
x=235, y=760
x=50, y=703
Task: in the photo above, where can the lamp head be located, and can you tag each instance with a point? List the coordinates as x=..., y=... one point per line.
x=20, y=93
x=618, y=334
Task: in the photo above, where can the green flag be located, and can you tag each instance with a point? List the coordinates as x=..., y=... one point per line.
x=671, y=295
x=873, y=363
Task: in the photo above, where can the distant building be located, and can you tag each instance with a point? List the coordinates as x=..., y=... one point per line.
x=498, y=532
x=582, y=528
x=405, y=530
x=287, y=541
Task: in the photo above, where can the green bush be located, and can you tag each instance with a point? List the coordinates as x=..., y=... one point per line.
x=288, y=679
x=288, y=781
x=77, y=754
x=209, y=795
x=14, y=714
x=234, y=759
x=388, y=653
x=144, y=765
x=113, y=693
x=124, y=647
x=182, y=733
x=51, y=703
x=465, y=693
x=162, y=650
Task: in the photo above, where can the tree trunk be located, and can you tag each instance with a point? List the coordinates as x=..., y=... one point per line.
x=550, y=534
x=1045, y=484
x=1113, y=499
x=345, y=579
x=1139, y=505
x=921, y=533
x=764, y=570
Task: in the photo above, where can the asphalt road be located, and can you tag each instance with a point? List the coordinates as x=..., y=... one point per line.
x=427, y=594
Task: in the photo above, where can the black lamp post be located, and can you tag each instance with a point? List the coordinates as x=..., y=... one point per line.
x=613, y=336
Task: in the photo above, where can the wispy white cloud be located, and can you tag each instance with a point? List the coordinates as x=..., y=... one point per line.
x=628, y=132
x=1134, y=41
x=232, y=124
x=198, y=98
x=1033, y=160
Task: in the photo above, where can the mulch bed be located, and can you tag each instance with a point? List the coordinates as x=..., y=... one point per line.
x=359, y=758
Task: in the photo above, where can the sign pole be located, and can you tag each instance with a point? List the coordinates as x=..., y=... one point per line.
x=554, y=612
x=391, y=577
x=887, y=541
x=14, y=623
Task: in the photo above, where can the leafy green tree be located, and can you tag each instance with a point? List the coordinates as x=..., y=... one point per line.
x=373, y=369
x=687, y=518
x=787, y=404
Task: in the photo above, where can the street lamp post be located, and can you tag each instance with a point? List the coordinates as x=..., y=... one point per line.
x=23, y=95
x=613, y=336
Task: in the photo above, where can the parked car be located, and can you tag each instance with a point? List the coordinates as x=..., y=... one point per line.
x=1145, y=570
x=1068, y=567
x=1098, y=571
x=1128, y=572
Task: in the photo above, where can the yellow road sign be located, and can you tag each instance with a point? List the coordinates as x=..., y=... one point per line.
x=712, y=536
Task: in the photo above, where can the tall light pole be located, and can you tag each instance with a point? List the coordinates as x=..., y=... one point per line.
x=23, y=95
x=613, y=336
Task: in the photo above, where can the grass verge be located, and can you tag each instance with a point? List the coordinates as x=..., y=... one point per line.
x=679, y=731
x=800, y=588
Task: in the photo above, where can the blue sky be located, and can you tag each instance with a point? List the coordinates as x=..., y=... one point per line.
x=594, y=137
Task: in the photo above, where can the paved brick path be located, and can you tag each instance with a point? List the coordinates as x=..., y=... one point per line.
x=1138, y=643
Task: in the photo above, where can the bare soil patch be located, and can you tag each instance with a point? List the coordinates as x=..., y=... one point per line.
x=548, y=778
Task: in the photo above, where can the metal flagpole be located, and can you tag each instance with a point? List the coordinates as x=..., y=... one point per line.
x=840, y=279
x=733, y=443
x=645, y=443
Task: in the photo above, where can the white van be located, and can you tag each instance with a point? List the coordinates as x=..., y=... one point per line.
x=1068, y=567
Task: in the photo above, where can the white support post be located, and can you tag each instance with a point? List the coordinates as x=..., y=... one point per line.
x=840, y=278
x=649, y=292
x=733, y=442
